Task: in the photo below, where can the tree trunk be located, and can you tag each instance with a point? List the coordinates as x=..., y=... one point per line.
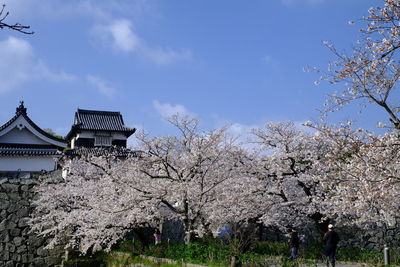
x=322, y=227
x=189, y=234
x=234, y=261
x=188, y=237
x=260, y=228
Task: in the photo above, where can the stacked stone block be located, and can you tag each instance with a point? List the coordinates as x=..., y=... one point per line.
x=19, y=247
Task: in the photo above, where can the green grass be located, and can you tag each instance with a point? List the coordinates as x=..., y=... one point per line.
x=199, y=252
x=314, y=252
x=211, y=252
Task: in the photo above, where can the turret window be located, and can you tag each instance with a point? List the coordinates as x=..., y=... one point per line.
x=102, y=140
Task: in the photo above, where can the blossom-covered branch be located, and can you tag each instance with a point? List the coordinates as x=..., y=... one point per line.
x=370, y=74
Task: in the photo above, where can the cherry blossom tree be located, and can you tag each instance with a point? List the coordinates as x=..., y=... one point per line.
x=101, y=199
x=362, y=176
x=370, y=74
x=292, y=186
x=190, y=177
x=196, y=173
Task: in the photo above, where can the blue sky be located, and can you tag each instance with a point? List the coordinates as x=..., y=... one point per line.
x=238, y=62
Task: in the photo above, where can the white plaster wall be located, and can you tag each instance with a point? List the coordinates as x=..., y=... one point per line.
x=27, y=163
x=87, y=134
x=118, y=136
x=23, y=136
x=73, y=142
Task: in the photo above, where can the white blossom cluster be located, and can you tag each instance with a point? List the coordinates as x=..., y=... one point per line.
x=206, y=180
x=370, y=74
x=362, y=176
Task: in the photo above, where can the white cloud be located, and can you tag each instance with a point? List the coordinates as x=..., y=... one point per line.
x=133, y=142
x=106, y=23
x=19, y=65
x=242, y=133
x=56, y=9
x=164, y=56
x=237, y=129
x=101, y=85
x=167, y=110
x=121, y=36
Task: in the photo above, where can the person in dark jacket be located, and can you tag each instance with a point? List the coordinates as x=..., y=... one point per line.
x=294, y=243
x=331, y=239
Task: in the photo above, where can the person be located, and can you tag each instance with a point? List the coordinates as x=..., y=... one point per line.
x=331, y=239
x=157, y=237
x=225, y=234
x=294, y=243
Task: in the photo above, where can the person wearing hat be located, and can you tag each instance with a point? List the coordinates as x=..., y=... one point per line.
x=294, y=243
x=331, y=239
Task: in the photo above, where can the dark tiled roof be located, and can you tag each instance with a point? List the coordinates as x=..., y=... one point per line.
x=21, y=111
x=10, y=151
x=34, y=146
x=94, y=120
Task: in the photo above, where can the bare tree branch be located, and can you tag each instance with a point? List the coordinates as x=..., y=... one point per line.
x=16, y=26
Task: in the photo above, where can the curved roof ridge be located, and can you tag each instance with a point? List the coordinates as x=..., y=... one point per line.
x=21, y=111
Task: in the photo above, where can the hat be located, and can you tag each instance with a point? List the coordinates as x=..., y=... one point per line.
x=330, y=226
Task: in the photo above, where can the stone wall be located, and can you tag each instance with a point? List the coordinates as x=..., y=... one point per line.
x=374, y=238
x=18, y=247
x=172, y=231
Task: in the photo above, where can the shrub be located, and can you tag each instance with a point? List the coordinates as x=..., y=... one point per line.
x=271, y=248
x=77, y=260
x=130, y=246
x=213, y=252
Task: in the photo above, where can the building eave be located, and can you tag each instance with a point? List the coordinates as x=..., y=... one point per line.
x=36, y=130
x=29, y=152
